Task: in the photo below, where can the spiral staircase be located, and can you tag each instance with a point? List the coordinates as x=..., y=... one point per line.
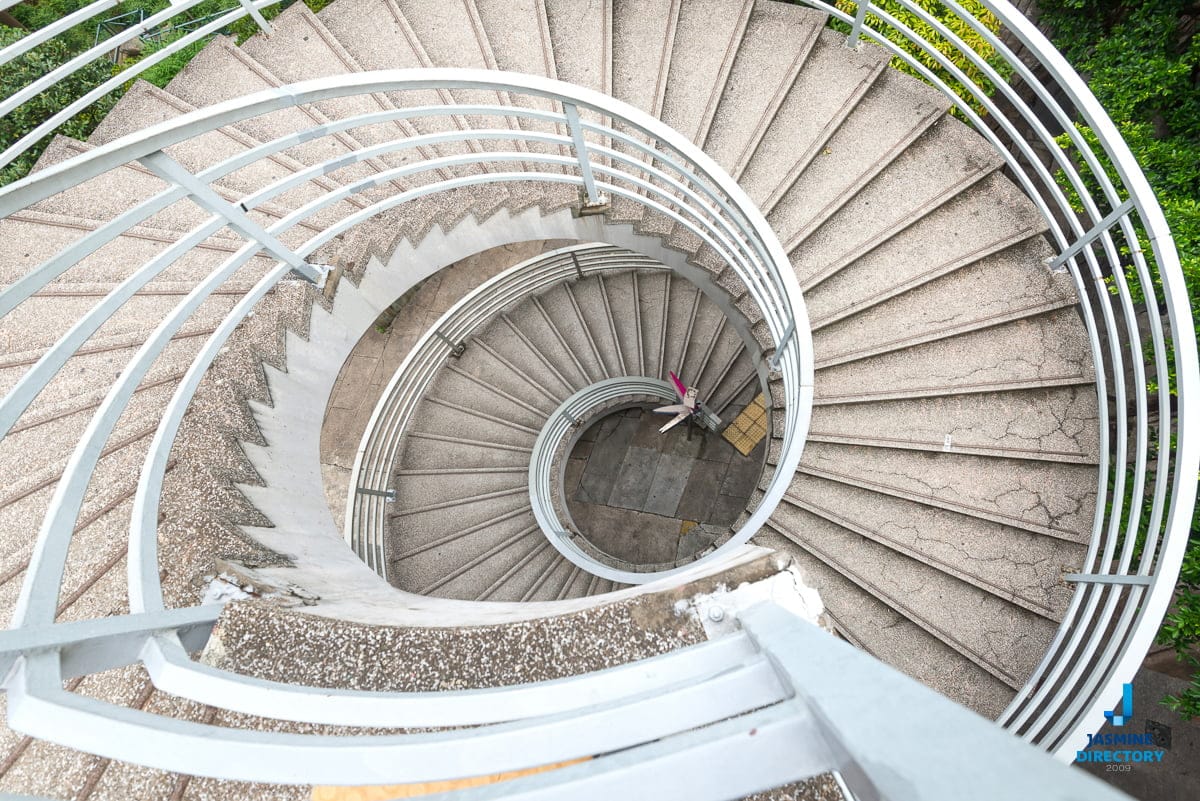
x=960, y=456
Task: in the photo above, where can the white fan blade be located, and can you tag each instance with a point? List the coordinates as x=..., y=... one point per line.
x=679, y=418
x=672, y=409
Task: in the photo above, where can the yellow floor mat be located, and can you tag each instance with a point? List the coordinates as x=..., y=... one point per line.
x=748, y=428
x=417, y=789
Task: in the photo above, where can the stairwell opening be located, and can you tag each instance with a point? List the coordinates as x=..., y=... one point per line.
x=650, y=497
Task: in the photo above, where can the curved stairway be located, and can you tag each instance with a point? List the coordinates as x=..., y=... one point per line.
x=462, y=496
x=950, y=472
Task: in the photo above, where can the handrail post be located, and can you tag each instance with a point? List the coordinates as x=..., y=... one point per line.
x=860, y=16
x=207, y=198
x=1057, y=264
x=595, y=200
x=777, y=356
x=259, y=19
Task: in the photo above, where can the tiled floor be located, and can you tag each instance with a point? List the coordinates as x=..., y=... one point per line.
x=649, y=497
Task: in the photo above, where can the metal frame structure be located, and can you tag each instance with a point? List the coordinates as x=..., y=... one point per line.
x=377, y=455
x=678, y=181
x=379, y=452
x=1114, y=241
x=1108, y=241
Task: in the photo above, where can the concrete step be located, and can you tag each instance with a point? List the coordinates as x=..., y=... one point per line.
x=299, y=30
x=457, y=538
x=708, y=34
x=946, y=160
x=686, y=304
x=643, y=36
x=377, y=35
x=478, y=575
x=463, y=386
x=562, y=315
x=433, y=451
x=518, y=35
x=470, y=419
x=1056, y=424
x=709, y=326
x=1010, y=563
x=1055, y=500
x=890, y=117
x=598, y=314
x=145, y=105
x=982, y=221
x=829, y=87
x=222, y=71
x=37, y=324
x=624, y=299
x=514, y=582
x=99, y=361
x=112, y=193
x=770, y=56
x=29, y=238
x=452, y=35
x=656, y=293
x=1003, y=638
x=523, y=350
x=1010, y=286
x=1047, y=350
x=581, y=41
x=887, y=634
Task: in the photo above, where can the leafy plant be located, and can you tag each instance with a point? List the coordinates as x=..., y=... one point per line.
x=25, y=69
x=1142, y=60
x=956, y=25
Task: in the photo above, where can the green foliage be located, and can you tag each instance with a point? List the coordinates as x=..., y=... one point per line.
x=1181, y=629
x=957, y=26
x=35, y=14
x=1142, y=60
x=24, y=70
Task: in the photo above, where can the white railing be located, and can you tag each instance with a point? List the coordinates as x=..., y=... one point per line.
x=666, y=174
x=548, y=461
x=1149, y=453
x=130, y=70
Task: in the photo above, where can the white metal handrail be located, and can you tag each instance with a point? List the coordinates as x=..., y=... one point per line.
x=1120, y=599
x=679, y=182
x=547, y=454
x=251, y=8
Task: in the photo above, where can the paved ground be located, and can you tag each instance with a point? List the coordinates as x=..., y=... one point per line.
x=650, y=497
x=379, y=353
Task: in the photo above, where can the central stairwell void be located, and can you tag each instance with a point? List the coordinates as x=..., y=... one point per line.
x=959, y=448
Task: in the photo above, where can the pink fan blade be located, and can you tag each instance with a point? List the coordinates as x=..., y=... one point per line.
x=679, y=386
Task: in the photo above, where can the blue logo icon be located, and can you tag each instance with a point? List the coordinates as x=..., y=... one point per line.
x=1126, y=707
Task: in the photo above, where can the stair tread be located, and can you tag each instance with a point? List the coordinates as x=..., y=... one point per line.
x=1012, y=283
x=1054, y=499
x=1009, y=562
x=890, y=636
x=707, y=37
x=881, y=127
x=1056, y=423
x=771, y=55
x=942, y=162
x=1003, y=638
x=827, y=88
x=987, y=218
x=1051, y=348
